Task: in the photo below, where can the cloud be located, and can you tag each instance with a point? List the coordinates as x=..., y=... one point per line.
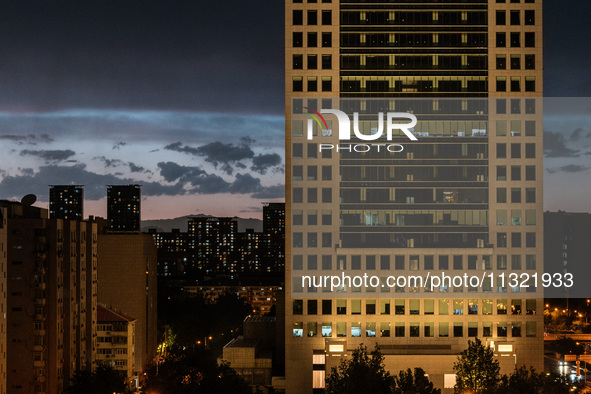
x=555, y=146
x=221, y=155
x=275, y=191
x=172, y=172
x=570, y=168
x=576, y=134
x=50, y=155
x=30, y=139
x=109, y=162
x=118, y=145
x=95, y=184
x=262, y=163
x=136, y=168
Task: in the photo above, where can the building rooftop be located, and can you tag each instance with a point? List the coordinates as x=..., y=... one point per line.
x=104, y=314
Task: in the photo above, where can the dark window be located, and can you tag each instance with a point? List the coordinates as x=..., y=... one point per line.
x=515, y=151
x=312, y=17
x=515, y=106
x=312, y=150
x=515, y=195
x=312, y=62
x=327, y=219
x=312, y=260
x=530, y=194
x=298, y=17
x=515, y=84
x=501, y=106
x=385, y=262
x=501, y=62
x=298, y=62
x=515, y=62
x=501, y=195
x=327, y=84
x=458, y=330
x=501, y=40
x=515, y=173
x=429, y=262
x=327, y=154
x=312, y=243
x=501, y=18
x=530, y=240
x=326, y=62
x=501, y=84
x=443, y=262
x=370, y=262
x=458, y=263
x=326, y=240
x=529, y=17
x=326, y=307
x=298, y=39
x=530, y=151
x=530, y=40
x=312, y=84
x=326, y=40
x=530, y=106
x=297, y=1
x=501, y=151
x=297, y=195
x=530, y=62
x=501, y=240
x=312, y=39
x=326, y=173
x=312, y=307
x=472, y=331
x=530, y=173
x=515, y=39
x=530, y=128
x=312, y=195
x=516, y=240
x=530, y=84
x=342, y=309
x=515, y=17
x=356, y=262
x=501, y=173
x=327, y=17
x=312, y=218
x=297, y=151
x=298, y=84
x=298, y=307
x=370, y=309
x=327, y=195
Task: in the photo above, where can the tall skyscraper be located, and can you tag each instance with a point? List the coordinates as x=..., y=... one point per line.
x=66, y=202
x=212, y=243
x=123, y=208
x=465, y=197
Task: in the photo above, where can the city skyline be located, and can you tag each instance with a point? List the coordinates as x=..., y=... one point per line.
x=170, y=100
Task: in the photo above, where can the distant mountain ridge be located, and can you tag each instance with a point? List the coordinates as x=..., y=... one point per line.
x=166, y=225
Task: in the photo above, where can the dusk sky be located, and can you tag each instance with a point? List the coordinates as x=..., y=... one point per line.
x=186, y=99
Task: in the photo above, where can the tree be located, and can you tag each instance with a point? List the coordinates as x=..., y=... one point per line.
x=419, y=383
x=476, y=370
x=193, y=372
x=104, y=380
x=364, y=372
x=524, y=381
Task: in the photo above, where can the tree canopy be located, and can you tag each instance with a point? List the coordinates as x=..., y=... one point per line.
x=476, y=369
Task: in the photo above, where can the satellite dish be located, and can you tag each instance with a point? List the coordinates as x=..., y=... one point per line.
x=29, y=199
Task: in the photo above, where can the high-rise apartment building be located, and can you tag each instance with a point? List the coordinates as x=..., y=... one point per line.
x=123, y=208
x=52, y=297
x=3, y=295
x=212, y=243
x=66, y=202
x=464, y=198
x=273, y=240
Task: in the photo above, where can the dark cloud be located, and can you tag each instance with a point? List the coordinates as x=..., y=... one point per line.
x=221, y=155
x=570, y=168
x=555, y=146
x=118, y=145
x=275, y=191
x=576, y=134
x=94, y=189
x=30, y=139
x=50, y=155
x=135, y=168
x=262, y=163
x=172, y=172
x=109, y=162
